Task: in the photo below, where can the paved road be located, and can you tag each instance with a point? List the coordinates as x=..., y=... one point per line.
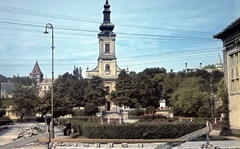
x=7, y=136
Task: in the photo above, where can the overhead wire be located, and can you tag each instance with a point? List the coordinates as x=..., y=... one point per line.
x=74, y=30
x=73, y=18
x=145, y=36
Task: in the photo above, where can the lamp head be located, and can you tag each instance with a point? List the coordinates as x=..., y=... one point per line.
x=45, y=32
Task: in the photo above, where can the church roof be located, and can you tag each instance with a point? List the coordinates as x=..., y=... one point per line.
x=106, y=25
x=233, y=27
x=36, y=69
x=47, y=81
x=219, y=60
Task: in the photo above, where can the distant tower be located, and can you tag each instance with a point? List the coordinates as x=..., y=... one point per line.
x=219, y=64
x=200, y=66
x=186, y=69
x=107, y=67
x=36, y=74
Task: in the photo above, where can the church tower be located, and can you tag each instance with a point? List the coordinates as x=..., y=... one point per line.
x=36, y=73
x=107, y=62
x=219, y=64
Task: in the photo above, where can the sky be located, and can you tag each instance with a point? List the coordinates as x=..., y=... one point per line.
x=156, y=33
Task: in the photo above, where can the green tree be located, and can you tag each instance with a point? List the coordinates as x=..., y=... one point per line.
x=3, y=78
x=44, y=104
x=62, y=102
x=216, y=77
x=209, y=66
x=189, y=99
x=222, y=93
x=171, y=83
x=122, y=94
x=77, y=93
x=24, y=97
x=95, y=92
x=143, y=90
x=90, y=109
x=151, y=72
x=150, y=109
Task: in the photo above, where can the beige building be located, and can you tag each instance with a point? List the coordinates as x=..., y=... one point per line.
x=45, y=86
x=107, y=67
x=231, y=54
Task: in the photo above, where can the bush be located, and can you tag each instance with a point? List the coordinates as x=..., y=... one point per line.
x=5, y=120
x=77, y=121
x=40, y=119
x=2, y=113
x=90, y=109
x=78, y=112
x=150, y=109
x=204, y=111
x=136, y=112
x=136, y=130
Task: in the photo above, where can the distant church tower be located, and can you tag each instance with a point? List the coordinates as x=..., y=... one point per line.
x=219, y=64
x=107, y=67
x=36, y=73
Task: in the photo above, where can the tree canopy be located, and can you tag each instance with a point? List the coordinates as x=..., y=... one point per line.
x=24, y=97
x=71, y=91
x=189, y=99
x=187, y=93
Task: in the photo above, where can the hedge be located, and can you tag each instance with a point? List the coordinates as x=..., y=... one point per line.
x=5, y=120
x=136, y=130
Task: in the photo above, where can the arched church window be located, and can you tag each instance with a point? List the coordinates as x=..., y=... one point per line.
x=107, y=48
x=107, y=67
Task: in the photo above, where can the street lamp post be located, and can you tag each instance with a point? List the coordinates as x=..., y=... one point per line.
x=50, y=26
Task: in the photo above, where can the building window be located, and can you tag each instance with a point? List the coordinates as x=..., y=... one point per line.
x=236, y=64
x=107, y=67
x=231, y=64
x=234, y=72
x=107, y=48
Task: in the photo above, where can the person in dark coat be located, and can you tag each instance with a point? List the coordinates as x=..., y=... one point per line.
x=67, y=130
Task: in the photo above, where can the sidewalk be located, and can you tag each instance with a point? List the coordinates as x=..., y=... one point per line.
x=7, y=136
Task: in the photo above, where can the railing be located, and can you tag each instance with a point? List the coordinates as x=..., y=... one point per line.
x=110, y=143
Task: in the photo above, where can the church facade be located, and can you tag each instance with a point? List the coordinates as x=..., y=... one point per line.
x=230, y=37
x=107, y=67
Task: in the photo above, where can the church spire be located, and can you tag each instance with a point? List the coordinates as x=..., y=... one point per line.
x=106, y=25
x=36, y=69
x=219, y=64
